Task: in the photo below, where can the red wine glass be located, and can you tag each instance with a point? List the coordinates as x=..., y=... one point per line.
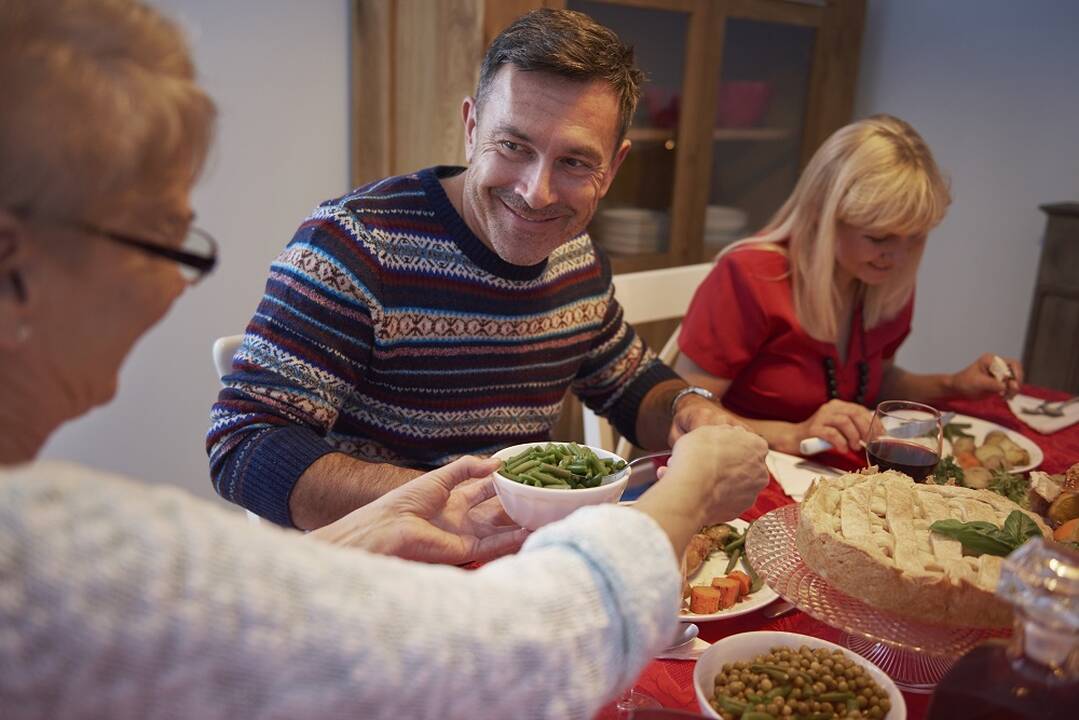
x=905, y=436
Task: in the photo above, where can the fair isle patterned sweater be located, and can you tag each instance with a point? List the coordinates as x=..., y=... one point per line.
x=388, y=331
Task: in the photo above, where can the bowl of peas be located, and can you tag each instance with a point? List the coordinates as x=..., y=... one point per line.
x=540, y=483
x=763, y=675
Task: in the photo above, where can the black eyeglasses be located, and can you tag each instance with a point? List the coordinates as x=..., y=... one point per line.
x=196, y=255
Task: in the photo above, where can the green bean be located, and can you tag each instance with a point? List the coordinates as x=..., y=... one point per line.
x=755, y=582
x=559, y=466
x=734, y=544
x=771, y=671
x=731, y=705
x=545, y=478
x=556, y=471
x=733, y=560
x=781, y=691
x=524, y=466
x=835, y=697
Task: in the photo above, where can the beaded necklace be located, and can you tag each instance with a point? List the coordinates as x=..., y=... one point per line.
x=833, y=385
x=863, y=370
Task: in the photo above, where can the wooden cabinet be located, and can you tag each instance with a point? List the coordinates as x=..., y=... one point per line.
x=1051, y=356
x=740, y=94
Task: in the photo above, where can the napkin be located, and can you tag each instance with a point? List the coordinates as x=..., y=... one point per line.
x=686, y=651
x=1043, y=423
x=795, y=474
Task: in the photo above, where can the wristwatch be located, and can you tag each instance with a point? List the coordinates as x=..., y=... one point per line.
x=691, y=390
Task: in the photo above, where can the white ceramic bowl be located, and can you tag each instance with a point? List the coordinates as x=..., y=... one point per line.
x=533, y=507
x=747, y=646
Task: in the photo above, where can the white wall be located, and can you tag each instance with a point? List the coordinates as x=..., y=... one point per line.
x=992, y=86
x=278, y=71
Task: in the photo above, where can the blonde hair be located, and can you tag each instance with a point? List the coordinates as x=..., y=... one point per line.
x=877, y=174
x=100, y=105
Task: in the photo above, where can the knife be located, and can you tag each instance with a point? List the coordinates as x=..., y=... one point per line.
x=814, y=445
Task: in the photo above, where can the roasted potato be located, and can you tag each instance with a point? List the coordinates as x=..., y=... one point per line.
x=977, y=478
x=996, y=437
x=962, y=445
x=1014, y=454
x=990, y=456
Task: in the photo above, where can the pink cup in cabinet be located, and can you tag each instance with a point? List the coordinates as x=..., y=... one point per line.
x=742, y=103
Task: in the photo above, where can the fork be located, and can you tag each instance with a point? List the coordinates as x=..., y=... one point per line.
x=1053, y=408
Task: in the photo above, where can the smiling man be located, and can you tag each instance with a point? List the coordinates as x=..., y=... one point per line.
x=447, y=312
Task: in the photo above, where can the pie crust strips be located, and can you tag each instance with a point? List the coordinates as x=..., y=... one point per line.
x=868, y=535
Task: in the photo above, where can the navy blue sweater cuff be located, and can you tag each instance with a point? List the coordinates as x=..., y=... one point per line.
x=272, y=463
x=625, y=411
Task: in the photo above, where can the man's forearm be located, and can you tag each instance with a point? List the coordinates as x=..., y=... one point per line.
x=336, y=484
x=654, y=416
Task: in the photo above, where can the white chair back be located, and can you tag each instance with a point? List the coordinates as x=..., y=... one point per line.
x=224, y=349
x=647, y=296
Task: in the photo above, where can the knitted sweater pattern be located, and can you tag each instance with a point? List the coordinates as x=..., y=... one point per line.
x=388, y=331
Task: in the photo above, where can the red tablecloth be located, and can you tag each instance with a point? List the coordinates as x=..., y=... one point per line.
x=671, y=681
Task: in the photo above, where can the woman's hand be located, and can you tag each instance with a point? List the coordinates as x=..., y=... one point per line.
x=976, y=381
x=449, y=515
x=843, y=424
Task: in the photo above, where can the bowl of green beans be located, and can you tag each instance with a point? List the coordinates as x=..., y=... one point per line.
x=773, y=675
x=540, y=483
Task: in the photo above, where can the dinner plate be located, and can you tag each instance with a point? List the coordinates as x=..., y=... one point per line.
x=716, y=566
x=795, y=474
x=980, y=428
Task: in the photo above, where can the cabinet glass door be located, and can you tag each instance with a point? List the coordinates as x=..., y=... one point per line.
x=761, y=100
x=633, y=221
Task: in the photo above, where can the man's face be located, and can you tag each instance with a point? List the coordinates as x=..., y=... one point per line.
x=541, y=154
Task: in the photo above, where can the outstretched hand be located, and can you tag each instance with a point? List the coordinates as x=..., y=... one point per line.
x=449, y=515
x=695, y=412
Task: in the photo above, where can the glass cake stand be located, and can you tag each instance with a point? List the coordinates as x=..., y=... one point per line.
x=914, y=654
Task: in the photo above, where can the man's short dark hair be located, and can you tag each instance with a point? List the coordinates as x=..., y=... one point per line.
x=569, y=44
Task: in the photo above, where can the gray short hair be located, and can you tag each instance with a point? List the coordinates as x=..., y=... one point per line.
x=569, y=44
x=100, y=104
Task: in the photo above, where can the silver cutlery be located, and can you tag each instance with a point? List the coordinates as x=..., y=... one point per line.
x=778, y=609
x=628, y=466
x=1051, y=408
x=818, y=468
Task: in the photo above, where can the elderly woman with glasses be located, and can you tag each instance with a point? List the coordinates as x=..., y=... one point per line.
x=123, y=600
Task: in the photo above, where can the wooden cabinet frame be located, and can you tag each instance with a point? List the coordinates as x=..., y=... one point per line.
x=413, y=61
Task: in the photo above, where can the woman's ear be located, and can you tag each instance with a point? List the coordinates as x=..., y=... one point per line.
x=14, y=297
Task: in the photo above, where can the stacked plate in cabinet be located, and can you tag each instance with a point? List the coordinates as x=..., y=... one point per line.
x=722, y=226
x=630, y=230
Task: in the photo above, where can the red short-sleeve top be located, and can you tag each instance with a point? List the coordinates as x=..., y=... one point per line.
x=741, y=326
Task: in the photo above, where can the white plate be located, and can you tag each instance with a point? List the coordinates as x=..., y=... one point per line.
x=715, y=566
x=795, y=474
x=980, y=428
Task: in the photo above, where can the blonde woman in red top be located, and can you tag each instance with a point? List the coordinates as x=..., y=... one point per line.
x=796, y=329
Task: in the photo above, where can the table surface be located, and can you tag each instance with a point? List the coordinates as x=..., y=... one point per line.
x=671, y=681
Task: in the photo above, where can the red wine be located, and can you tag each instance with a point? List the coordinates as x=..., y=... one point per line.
x=906, y=457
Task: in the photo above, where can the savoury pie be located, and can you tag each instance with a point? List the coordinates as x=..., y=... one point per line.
x=868, y=535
